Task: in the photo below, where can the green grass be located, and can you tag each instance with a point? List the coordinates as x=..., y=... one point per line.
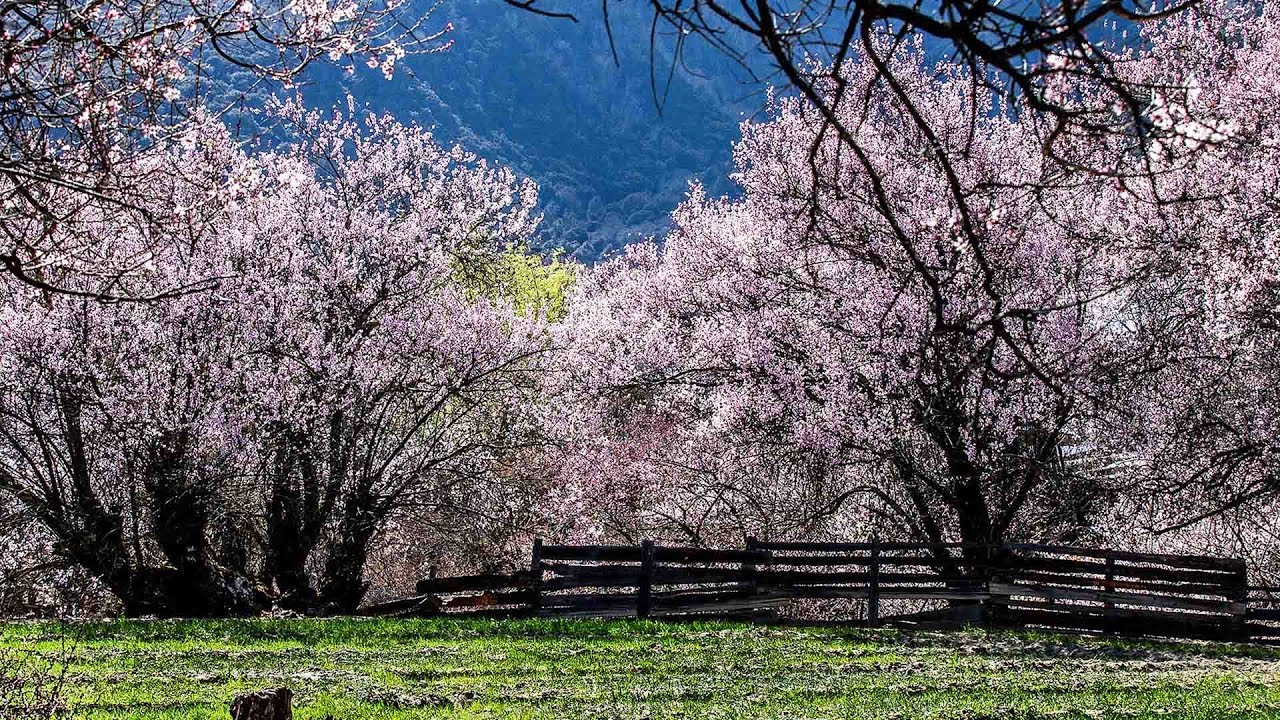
x=356, y=669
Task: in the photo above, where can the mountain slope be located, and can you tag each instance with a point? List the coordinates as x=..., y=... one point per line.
x=544, y=96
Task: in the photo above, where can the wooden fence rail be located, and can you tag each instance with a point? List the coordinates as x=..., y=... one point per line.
x=1018, y=584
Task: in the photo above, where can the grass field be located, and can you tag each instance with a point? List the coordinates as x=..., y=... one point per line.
x=357, y=669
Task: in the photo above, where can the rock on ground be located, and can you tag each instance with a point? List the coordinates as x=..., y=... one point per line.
x=274, y=704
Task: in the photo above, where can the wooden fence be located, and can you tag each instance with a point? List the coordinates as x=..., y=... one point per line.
x=1263, y=612
x=1021, y=585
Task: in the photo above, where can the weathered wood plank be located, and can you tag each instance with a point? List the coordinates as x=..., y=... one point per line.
x=1199, y=562
x=1119, y=614
x=854, y=592
x=1121, y=621
x=1124, y=598
x=586, y=601
x=491, y=599
x=597, y=553
x=691, y=598
x=929, y=561
x=821, y=560
x=558, y=584
x=854, y=546
x=899, y=578
x=830, y=592
x=568, y=576
x=803, y=577
x=565, y=576
x=500, y=612
x=417, y=602
x=1168, y=588
x=697, y=575
x=707, y=555
x=926, y=593
x=468, y=583
x=629, y=575
x=747, y=615
x=1215, y=627
x=600, y=612
x=809, y=577
x=564, y=567
x=721, y=606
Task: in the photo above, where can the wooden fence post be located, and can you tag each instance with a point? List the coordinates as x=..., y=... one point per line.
x=1240, y=595
x=995, y=608
x=873, y=584
x=749, y=569
x=645, y=590
x=1109, y=586
x=535, y=570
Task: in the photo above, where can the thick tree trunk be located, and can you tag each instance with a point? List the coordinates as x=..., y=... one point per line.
x=293, y=519
x=343, y=586
x=182, y=505
x=192, y=583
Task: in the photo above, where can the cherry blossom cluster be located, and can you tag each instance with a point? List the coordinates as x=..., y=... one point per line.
x=96, y=90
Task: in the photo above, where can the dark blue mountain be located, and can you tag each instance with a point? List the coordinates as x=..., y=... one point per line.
x=545, y=97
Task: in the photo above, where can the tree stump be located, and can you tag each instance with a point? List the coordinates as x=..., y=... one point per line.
x=263, y=705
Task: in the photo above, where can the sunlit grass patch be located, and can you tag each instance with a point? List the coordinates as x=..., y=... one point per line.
x=354, y=669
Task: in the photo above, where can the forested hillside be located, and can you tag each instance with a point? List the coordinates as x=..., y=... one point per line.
x=544, y=97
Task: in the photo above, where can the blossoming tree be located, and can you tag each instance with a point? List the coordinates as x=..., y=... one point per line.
x=230, y=449
x=872, y=356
